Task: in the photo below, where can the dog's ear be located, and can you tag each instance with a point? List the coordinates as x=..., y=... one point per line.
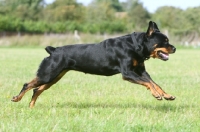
x=152, y=28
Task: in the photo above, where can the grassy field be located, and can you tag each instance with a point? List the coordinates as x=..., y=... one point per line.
x=87, y=103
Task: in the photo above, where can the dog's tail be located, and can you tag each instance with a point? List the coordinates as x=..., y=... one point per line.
x=50, y=49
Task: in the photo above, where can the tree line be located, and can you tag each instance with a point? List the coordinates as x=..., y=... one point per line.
x=100, y=16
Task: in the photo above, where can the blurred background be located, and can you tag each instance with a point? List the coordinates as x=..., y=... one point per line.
x=59, y=22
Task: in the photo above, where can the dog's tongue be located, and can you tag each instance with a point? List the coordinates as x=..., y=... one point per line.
x=164, y=56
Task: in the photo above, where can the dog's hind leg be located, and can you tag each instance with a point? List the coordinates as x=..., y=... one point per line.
x=38, y=91
x=27, y=86
x=46, y=73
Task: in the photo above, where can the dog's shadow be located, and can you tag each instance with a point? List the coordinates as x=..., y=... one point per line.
x=163, y=107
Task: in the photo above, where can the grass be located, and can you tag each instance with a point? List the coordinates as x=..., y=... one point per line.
x=86, y=103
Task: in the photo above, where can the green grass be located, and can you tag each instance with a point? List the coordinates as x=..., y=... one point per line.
x=86, y=103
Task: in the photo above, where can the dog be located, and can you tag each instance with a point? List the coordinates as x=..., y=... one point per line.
x=125, y=55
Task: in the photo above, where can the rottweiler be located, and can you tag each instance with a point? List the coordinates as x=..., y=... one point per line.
x=125, y=55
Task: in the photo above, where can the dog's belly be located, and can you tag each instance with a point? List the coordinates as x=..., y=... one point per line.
x=105, y=71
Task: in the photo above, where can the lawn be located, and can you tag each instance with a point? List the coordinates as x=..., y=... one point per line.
x=87, y=103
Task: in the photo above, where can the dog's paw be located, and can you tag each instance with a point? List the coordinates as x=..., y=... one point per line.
x=157, y=97
x=170, y=98
x=15, y=99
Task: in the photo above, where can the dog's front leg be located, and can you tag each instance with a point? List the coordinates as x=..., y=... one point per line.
x=133, y=77
x=145, y=80
x=158, y=88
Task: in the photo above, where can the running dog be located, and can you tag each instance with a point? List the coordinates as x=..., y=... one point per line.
x=125, y=55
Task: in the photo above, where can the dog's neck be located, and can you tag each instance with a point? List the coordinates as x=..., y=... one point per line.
x=140, y=46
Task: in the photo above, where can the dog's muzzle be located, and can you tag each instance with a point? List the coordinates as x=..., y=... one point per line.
x=173, y=49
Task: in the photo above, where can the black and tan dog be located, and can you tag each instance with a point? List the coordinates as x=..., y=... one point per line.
x=125, y=55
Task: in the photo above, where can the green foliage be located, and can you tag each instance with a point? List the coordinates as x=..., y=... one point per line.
x=22, y=9
x=184, y=24
x=115, y=26
x=62, y=10
x=36, y=27
x=193, y=19
x=34, y=16
x=60, y=16
x=138, y=15
x=10, y=24
x=114, y=4
x=167, y=17
x=99, y=12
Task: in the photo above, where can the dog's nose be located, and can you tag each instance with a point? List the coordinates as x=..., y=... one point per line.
x=173, y=49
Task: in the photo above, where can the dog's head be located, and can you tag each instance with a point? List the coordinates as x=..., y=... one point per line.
x=157, y=43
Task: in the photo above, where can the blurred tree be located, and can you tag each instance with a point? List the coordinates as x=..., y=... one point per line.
x=34, y=16
x=138, y=15
x=176, y=20
x=62, y=10
x=167, y=17
x=193, y=19
x=23, y=9
x=179, y=22
x=99, y=12
x=191, y=25
x=115, y=4
x=100, y=16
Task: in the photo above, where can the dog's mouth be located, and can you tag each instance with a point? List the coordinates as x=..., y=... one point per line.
x=163, y=56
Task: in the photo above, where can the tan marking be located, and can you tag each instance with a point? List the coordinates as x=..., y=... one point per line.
x=150, y=31
x=156, y=90
x=148, y=85
x=33, y=84
x=154, y=53
x=153, y=90
x=135, y=63
x=45, y=87
x=155, y=45
x=162, y=92
x=170, y=50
